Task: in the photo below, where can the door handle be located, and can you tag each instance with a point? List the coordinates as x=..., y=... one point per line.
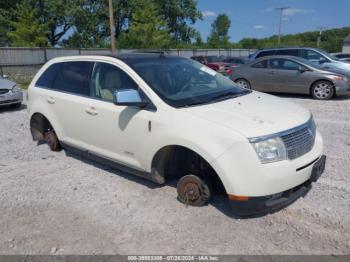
x=91, y=111
x=50, y=100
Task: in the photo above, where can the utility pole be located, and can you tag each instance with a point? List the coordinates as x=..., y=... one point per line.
x=111, y=25
x=281, y=9
x=319, y=38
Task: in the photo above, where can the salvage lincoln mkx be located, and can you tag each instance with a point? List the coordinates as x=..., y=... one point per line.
x=163, y=117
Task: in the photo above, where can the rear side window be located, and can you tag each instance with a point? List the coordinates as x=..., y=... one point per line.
x=47, y=78
x=289, y=52
x=266, y=53
x=74, y=77
x=283, y=64
x=261, y=64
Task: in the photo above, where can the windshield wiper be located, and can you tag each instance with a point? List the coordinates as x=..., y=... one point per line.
x=220, y=97
x=228, y=95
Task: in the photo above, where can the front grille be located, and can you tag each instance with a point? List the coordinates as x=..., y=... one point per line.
x=300, y=140
x=4, y=91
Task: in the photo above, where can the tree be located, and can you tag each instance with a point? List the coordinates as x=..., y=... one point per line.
x=7, y=14
x=58, y=15
x=179, y=15
x=28, y=31
x=147, y=29
x=219, y=32
x=90, y=26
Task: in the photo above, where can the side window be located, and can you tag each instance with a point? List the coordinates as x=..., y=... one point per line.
x=289, y=52
x=283, y=64
x=74, y=77
x=261, y=64
x=311, y=55
x=265, y=53
x=107, y=78
x=47, y=78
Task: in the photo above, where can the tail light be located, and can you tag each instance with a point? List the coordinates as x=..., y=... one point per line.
x=229, y=72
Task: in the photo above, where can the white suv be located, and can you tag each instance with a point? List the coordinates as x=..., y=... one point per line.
x=163, y=117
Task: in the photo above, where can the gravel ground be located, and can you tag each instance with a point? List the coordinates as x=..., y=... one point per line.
x=57, y=203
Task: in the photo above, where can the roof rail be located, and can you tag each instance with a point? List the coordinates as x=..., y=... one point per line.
x=162, y=53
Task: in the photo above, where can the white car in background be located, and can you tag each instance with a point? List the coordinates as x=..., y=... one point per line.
x=164, y=117
x=10, y=93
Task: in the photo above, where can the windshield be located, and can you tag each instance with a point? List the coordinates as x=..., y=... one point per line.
x=308, y=63
x=328, y=55
x=183, y=82
x=211, y=59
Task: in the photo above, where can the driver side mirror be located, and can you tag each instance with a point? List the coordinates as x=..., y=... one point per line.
x=128, y=97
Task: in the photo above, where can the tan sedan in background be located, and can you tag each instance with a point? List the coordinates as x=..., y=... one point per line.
x=287, y=74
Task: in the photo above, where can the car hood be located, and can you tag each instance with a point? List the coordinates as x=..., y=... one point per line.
x=338, y=67
x=253, y=115
x=6, y=84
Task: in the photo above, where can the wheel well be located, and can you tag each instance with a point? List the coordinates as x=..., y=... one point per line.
x=39, y=124
x=242, y=78
x=325, y=80
x=173, y=162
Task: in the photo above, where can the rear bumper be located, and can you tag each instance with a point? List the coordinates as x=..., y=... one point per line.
x=256, y=206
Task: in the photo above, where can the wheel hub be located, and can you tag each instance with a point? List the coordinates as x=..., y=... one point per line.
x=322, y=90
x=192, y=190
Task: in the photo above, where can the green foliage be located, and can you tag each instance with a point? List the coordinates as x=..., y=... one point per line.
x=147, y=29
x=7, y=14
x=138, y=24
x=179, y=15
x=331, y=41
x=219, y=32
x=27, y=31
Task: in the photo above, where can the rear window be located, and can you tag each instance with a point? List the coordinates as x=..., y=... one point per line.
x=261, y=64
x=265, y=53
x=74, y=77
x=288, y=52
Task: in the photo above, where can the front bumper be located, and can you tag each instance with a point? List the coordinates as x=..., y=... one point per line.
x=342, y=90
x=11, y=98
x=267, y=204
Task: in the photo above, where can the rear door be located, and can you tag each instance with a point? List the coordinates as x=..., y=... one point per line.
x=67, y=98
x=257, y=75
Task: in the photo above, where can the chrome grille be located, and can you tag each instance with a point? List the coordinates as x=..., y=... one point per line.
x=4, y=91
x=300, y=140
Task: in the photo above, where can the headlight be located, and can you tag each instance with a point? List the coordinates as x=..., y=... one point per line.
x=16, y=89
x=270, y=150
x=341, y=78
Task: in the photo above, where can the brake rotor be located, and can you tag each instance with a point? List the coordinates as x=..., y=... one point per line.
x=193, y=191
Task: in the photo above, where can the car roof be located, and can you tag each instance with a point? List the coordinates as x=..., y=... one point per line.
x=129, y=59
x=274, y=57
x=285, y=48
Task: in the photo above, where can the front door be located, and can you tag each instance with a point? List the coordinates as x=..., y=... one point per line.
x=116, y=132
x=284, y=76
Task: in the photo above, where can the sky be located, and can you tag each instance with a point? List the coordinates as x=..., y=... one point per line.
x=259, y=18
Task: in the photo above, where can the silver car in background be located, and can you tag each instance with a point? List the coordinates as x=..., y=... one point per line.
x=10, y=93
x=288, y=74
